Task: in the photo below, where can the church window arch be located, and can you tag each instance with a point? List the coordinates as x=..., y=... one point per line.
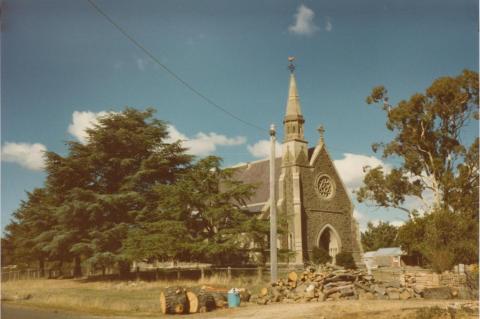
x=329, y=239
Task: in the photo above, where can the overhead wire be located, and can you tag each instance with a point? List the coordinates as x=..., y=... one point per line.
x=171, y=72
x=175, y=75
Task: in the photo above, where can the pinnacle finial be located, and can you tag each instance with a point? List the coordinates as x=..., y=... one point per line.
x=291, y=66
x=321, y=131
x=272, y=130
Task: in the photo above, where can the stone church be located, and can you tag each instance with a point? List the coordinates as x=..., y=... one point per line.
x=311, y=196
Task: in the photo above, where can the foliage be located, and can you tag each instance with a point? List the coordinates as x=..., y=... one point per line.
x=128, y=194
x=444, y=238
x=204, y=208
x=436, y=168
x=320, y=256
x=428, y=140
x=380, y=236
x=346, y=260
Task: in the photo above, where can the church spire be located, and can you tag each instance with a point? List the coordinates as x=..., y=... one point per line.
x=293, y=120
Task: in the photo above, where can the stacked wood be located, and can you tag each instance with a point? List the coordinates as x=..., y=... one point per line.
x=331, y=283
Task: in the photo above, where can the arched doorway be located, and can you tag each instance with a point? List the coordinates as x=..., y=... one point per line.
x=328, y=239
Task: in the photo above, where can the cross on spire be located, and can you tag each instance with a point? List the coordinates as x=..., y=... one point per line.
x=321, y=131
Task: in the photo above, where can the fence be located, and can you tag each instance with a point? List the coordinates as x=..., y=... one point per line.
x=24, y=274
x=184, y=273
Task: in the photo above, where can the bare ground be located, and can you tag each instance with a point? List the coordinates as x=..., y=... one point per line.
x=381, y=309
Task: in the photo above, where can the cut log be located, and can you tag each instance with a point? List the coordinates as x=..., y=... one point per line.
x=192, y=302
x=364, y=287
x=263, y=292
x=200, y=300
x=220, y=299
x=173, y=300
x=333, y=290
x=341, y=277
x=219, y=294
x=292, y=276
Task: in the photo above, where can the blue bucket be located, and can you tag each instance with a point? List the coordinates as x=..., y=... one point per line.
x=233, y=299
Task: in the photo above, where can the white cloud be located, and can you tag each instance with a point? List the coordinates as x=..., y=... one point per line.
x=261, y=149
x=81, y=121
x=351, y=167
x=397, y=223
x=328, y=25
x=203, y=143
x=303, y=24
x=28, y=155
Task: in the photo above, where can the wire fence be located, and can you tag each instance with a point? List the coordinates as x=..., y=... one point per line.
x=171, y=274
x=23, y=274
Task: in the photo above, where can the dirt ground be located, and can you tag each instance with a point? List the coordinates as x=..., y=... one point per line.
x=347, y=309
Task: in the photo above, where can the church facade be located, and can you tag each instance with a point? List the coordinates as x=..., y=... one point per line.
x=312, y=200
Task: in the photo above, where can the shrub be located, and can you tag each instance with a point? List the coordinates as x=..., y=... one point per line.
x=346, y=260
x=320, y=256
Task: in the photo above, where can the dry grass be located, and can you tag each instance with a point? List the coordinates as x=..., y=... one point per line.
x=107, y=297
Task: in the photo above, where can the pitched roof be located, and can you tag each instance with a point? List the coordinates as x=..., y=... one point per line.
x=258, y=173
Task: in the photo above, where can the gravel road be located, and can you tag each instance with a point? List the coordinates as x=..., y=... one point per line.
x=345, y=309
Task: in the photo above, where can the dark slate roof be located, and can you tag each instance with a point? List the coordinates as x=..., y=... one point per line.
x=258, y=173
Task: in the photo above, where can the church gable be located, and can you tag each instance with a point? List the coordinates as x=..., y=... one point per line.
x=323, y=188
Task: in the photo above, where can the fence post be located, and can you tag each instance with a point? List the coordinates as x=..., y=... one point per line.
x=178, y=273
x=202, y=273
x=259, y=273
x=229, y=273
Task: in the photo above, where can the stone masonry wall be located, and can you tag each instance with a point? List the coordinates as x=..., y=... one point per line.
x=336, y=211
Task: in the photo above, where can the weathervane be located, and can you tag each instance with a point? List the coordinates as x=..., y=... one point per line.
x=291, y=66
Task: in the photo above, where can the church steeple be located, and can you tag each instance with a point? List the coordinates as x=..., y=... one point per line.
x=293, y=120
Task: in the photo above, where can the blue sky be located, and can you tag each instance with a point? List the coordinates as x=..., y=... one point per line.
x=61, y=60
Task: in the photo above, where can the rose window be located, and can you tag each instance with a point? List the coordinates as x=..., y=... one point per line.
x=325, y=187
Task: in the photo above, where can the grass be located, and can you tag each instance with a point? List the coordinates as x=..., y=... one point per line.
x=108, y=297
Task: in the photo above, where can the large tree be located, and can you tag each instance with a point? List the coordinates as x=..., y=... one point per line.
x=205, y=208
x=428, y=140
x=379, y=236
x=101, y=185
x=436, y=167
x=25, y=235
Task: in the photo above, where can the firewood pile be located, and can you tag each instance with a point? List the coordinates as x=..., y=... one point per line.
x=331, y=283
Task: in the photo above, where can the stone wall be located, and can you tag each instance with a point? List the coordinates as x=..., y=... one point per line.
x=336, y=211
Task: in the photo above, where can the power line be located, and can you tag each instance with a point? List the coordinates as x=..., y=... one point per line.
x=169, y=71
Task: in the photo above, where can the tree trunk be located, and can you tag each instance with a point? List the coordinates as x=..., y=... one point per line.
x=200, y=300
x=173, y=300
x=77, y=270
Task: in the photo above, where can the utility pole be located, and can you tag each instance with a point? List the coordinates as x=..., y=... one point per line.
x=273, y=209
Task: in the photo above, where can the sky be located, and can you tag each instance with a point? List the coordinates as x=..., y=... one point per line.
x=63, y=64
